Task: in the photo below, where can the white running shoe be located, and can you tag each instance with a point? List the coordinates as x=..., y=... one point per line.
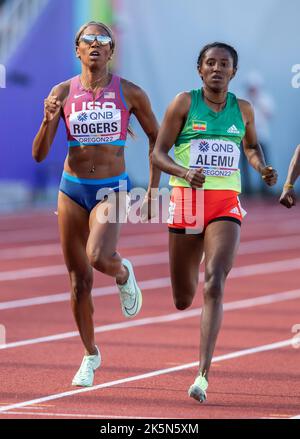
x=85, y=374
x=130, y=294
x=198, y=389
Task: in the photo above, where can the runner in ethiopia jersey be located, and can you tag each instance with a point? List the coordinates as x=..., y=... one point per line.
x=92, y=202
x=207, y=126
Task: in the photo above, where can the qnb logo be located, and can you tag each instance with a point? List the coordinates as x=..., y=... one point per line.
x=296, y=77
x=2, y=336
x=296, y=338
x=82, y=117
x=204, y=146
x=2, y=76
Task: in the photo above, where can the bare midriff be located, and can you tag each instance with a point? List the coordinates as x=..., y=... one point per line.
x=99, y=161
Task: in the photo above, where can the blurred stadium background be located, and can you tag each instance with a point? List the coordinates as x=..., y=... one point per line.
x=158, y=42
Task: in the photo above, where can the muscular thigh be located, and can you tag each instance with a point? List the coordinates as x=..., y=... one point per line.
x=73, y=223
x=185, y=255
x=221, y=243
x=105, y=224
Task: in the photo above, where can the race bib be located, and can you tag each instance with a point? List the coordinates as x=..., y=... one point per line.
x=96, y=126
x=218, y=158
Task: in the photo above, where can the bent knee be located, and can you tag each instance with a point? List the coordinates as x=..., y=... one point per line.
x=181, y=305
x=98, y=260
x=184, y=293
x=183, y=301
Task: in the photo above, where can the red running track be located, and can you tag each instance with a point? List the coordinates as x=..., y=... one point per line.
x=149, y=362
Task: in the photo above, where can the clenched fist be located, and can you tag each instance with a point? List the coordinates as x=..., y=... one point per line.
x=269, y=175
x=52, y=107
x=288, y=197
x=195, y=177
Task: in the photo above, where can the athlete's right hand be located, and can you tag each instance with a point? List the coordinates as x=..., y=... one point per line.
x=52, y=107
x=195, y=178
x=288, y=198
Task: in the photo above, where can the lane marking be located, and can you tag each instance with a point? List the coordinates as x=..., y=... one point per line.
x=77, y=415
x=136, y=241
x=16, y=236
x=229, y=356
x=37, y=406
x=159, y=239
x=141, y=261
x=31, y=273
x=51, y=234
x=229, y=306
x=16, y=222
x=236, y=273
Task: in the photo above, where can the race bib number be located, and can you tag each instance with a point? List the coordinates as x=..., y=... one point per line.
x=218, y=158
x=96, y=126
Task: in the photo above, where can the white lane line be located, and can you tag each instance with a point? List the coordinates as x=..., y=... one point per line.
x=34, y=407
x=229, y=306
x=10, y=230
x=142, y=260
x=269, y=244
x=31, y=273
x=150, y=284
x=46, y=234
x=33, y=251
x=16, y=223
x=280, y=226
x=156, y=239
x=237, y=354
x=265, y=268
x=42, y=234
x=236, y=273
x=82, y=416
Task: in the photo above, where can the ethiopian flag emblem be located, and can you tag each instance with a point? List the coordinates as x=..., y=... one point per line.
x=199, y=125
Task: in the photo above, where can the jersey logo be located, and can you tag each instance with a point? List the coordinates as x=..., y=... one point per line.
x=79, y=96
x=233, y=130
x=204, y=146
x=235, y=211
x=199, y=125
x=82, y=117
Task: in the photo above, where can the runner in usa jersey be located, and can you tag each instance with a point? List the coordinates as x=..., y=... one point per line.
x=93, y=194
x=207, y=127
x=96, y=121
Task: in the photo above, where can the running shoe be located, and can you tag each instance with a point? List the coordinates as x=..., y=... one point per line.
x=85, y=374
x=198, y=389
x=130, y=294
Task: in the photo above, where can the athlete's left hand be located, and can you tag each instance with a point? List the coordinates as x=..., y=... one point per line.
x=269, y=175
x=288, y=198
x=149, y=208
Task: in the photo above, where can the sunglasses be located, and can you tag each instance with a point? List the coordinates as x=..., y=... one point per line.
x=103, y=40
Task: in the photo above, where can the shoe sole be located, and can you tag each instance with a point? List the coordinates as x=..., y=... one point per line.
x=139, y=299
x=197, y=393
x=81, y=385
